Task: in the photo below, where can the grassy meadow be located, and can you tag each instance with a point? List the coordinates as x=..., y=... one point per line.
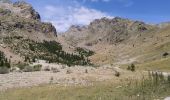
x=153, y=87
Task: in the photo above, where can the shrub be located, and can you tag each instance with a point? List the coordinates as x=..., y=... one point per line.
x=22, y=66
x=168, y=79
x=117, y=74
x=37, y=67
x=4, y=70
x=14, y=69
x=84, y=52
x=165, y=54
x=47, y=68
x=28, y=69
x=131, y=67
x=51, y=79
x=68, y=71
x=63, y=67
x=55, y=70
x=86, y=71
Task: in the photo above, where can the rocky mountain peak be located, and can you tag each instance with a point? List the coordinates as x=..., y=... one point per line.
x=108, y=20
x=163, y=25
x=27, y=10
x=21, y=9
x=77, y=28
x=106, y=30
x=21, y=16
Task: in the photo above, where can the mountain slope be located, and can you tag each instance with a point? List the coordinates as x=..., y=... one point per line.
x=105, y=30
x=121, y=41
x=25, y=38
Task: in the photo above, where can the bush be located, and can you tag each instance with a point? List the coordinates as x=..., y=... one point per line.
x=22, y=66
x=4, y=70
x=47, y=68
x=86, y=71
x=55, y=70
x=63, y=67
x=28, y=69
x=131, y=67
x=68, y=71
x=117, y=74
x=37, y=67
x=165, y=54
x=15, y=69
x=168, y=79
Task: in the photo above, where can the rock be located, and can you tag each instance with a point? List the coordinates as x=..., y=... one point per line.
x=105, y=30
x=27, y=10
x=4, y=12
x=24, y=17
x=15, y=69
x=167, y=98
x=48, y=28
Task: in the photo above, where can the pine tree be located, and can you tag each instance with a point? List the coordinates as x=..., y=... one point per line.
x=33, y=59
x=132, y=67
x=2, y=63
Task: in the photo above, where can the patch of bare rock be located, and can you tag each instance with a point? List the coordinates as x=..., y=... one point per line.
x=56, y=74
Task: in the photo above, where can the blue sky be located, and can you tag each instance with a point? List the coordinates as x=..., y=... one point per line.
x=64, y=13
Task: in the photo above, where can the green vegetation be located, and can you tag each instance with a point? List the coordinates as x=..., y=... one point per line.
x=153, y=87
x=27, y=68
x=54, y=53
x=117, y=74
x=50, y=51
x=4, y=70
x=165, y=54
x=21, y=66
x=131, y=67
x=161, y=65
x=4, y=64
x=37, y=67
x=84, y=52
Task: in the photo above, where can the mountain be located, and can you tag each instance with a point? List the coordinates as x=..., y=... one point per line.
x=25, y=38
x=105, y=30
x=20, y=17
x=120, y=41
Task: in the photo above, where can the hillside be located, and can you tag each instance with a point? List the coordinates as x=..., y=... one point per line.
x=120, y=41
x=113, y=41
x=109, y=59
x=25, y=38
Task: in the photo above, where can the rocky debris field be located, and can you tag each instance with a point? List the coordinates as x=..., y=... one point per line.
x=58, y=74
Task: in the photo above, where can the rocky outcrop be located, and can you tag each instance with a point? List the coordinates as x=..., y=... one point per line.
x=22, y=17
x=26, y=10
x=104, y=30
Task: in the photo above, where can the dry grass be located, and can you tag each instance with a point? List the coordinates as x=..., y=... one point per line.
x=126, y=89
x=161, y=65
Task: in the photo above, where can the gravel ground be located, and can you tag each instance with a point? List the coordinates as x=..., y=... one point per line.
x=78, y=76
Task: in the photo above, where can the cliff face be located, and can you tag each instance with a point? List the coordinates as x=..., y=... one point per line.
x=20, y=28
x=110, y=31
x=120, y=40
x=20, y=18
x=24, y=37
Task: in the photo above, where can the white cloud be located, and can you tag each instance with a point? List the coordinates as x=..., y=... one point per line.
x=63, y=17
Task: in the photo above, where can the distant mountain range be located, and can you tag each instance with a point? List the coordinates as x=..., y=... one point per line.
x=112, y=41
